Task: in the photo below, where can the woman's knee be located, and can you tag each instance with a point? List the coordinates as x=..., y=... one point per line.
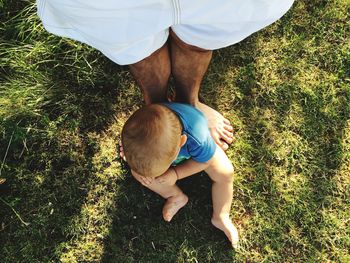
x=181, y=44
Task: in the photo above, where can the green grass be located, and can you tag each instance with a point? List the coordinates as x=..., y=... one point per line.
x=286, y=89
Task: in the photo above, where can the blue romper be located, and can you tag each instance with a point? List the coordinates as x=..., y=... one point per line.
x=199, y=146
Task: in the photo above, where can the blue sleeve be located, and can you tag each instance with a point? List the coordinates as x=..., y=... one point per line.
x=204, y=151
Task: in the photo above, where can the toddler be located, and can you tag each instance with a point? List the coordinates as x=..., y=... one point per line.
x=166, y=142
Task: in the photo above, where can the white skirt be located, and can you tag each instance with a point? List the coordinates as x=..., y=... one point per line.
x=127, y=31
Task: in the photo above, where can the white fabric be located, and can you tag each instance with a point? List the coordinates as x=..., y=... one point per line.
x=127, y=31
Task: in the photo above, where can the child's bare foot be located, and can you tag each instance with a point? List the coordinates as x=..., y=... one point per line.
x=225, y=224
x=220, y=127
x=173, y=205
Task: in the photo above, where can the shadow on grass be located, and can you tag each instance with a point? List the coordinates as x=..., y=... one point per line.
x=50, y=165
x=139, y=233
x=51, y=171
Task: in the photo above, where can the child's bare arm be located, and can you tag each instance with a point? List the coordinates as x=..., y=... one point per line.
x=181, y=171
x=190, y=167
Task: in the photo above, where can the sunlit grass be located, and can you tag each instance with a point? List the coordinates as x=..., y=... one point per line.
x=286, y=91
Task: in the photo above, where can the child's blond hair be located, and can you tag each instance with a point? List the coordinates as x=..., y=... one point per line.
x=151, y=139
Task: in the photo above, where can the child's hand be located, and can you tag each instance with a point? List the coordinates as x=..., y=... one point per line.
x=121, y=151
x=168, y=178
x=145, y=181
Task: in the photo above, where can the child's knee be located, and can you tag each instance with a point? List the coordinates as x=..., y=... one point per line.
x=224, y=175
x=227, y=174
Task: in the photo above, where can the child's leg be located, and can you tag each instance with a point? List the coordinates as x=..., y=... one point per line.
x=175, y=198
x=221, y=173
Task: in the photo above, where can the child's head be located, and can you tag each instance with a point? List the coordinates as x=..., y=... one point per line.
x=151, y=139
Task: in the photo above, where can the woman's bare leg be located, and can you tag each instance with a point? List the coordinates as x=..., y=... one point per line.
x=188, y=64
x=152, y=75
x=188, y=67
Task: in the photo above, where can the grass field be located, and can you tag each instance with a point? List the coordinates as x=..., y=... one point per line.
x=286, y=90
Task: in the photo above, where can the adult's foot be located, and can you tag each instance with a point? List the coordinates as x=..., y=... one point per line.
x=220, y=127
x=225, y=224
x=173, y=205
